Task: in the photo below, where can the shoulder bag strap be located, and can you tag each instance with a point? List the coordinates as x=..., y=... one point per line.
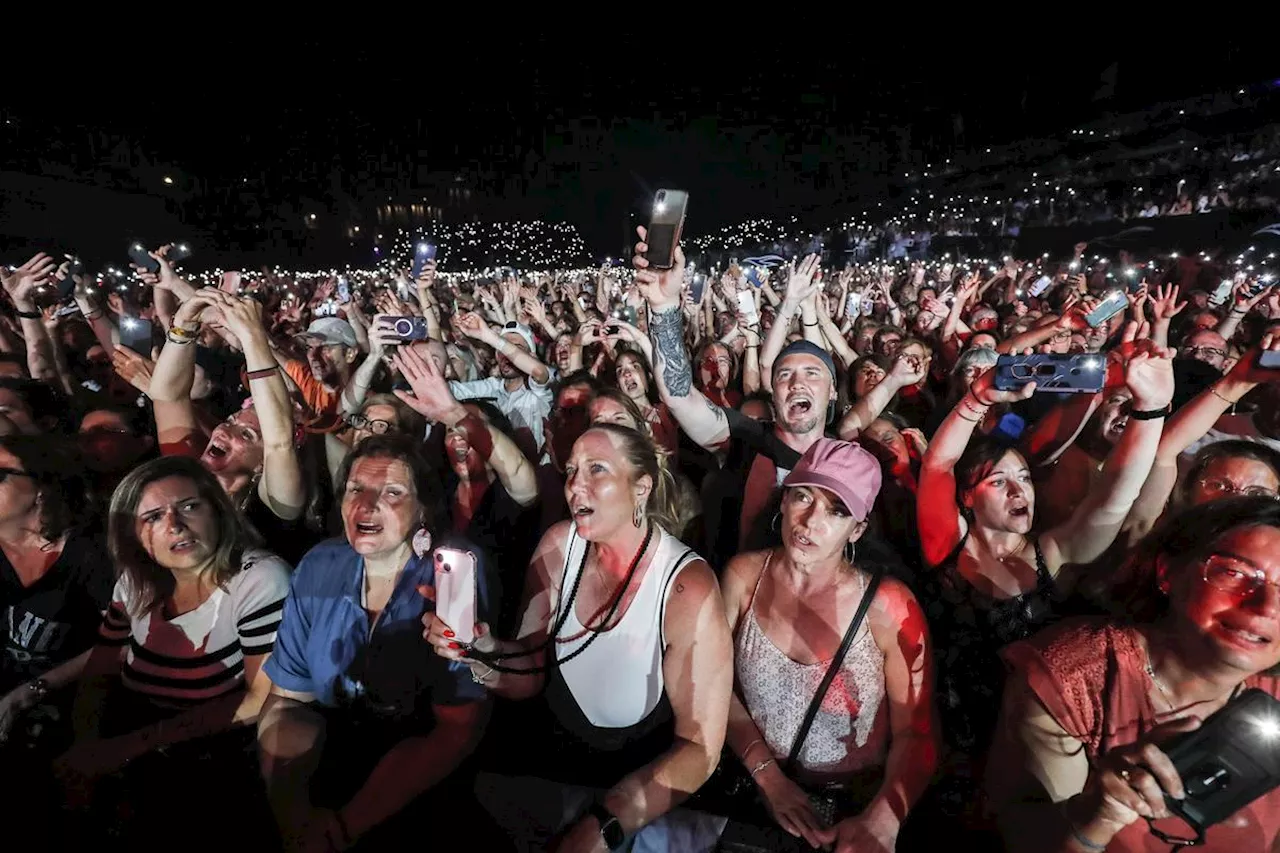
x=867, y=597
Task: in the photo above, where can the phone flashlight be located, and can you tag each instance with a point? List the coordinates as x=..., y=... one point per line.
x=130, y=323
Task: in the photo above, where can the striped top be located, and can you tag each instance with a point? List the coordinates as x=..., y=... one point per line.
x=199, y=655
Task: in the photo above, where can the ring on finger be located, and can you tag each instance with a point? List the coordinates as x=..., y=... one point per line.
x=1125, y=774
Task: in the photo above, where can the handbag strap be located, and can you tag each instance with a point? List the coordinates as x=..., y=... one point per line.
x=867, y=596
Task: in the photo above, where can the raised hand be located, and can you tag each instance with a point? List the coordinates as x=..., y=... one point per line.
x=471, y=325
x=431, y=397
x=21, y=284
x=133, y=368
x=661, y=288
x=1148, y=374
x=984, y=391
x=1241, y=301
x=1165, y=305
x=801, y=284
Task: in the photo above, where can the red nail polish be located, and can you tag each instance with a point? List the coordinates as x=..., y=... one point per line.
x=455, y=645
x=448, y=633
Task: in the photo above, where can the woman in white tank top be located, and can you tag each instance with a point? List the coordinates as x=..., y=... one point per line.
x=789, y=609
x=624, y=633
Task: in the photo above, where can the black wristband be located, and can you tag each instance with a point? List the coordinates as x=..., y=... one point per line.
x=1152, y=414
x=610, y=828
x=29, y=315
x=803, y=323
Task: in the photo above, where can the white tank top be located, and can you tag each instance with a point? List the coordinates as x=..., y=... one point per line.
x=617, y=681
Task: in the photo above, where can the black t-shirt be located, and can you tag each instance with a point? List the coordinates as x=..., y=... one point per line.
x=57, y=617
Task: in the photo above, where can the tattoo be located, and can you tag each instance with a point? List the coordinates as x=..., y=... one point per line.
x=715, y=410
x=666, y=331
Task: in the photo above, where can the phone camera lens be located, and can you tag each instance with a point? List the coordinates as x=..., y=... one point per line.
x=404, y=327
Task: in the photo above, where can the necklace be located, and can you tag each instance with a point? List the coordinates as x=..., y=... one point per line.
x=611, y=606
x=1013, y=552
x=1164, y=691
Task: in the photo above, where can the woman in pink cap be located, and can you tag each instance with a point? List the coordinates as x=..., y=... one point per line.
x=800, y=624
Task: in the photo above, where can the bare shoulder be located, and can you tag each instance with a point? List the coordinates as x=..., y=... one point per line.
x=694, y=593
x=896, y=618
x=740, y=575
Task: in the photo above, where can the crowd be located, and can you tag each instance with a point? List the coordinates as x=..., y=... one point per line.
x=764, y=558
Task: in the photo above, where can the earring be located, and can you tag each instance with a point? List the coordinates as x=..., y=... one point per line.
x=422, y=542
x=849, y=551
x=777, y=520
x=637, y=517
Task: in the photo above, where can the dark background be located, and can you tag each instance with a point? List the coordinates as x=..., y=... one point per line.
x=584, y=129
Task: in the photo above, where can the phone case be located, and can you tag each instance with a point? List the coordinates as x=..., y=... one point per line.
x=747, y=305
x=178, y=252
x=455, y=582
x=410, y=328
x=1269, y=359
x=1080, y=373
x=138, y=254
x=1230, y=761
x=1107, y=308
x=665, y=224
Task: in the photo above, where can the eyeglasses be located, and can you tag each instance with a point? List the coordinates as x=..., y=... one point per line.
x=374, y=426
x=1211, y=352
x=6, y=473
x=1221, y=488
x=1234, y=577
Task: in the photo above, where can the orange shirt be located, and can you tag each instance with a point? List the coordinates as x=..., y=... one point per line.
x=319, y=399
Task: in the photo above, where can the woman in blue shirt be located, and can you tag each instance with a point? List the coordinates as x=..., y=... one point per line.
x=351, y=672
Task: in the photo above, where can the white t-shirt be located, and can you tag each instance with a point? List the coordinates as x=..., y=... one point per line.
x=199, y=655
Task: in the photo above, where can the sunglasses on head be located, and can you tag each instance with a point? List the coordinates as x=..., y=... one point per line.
x=6, y=473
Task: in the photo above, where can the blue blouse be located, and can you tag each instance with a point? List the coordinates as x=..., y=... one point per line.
x=323, y=645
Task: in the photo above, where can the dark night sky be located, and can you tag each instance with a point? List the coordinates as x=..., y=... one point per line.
x=745, y=130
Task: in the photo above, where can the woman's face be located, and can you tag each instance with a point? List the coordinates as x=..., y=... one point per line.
x=869, y=375
x=235, y=447
x=883, y=439
x=108, y=443
x=380, y=509
x=1220, y=602
x=816, y=525
x=1231, y=476
x=15, y=408
x=918, y=356
x=714, y=368
x=601, y=487
x=175, y=525
x=17, y=493
x=865, y=340
x=889, y=343
x=606, y=411
x=379, y=418
x=1004, y=499
x=982, y=340
x=632, y=379
x=462, y=456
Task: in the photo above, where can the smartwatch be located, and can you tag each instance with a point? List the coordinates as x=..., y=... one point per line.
x=610, y=828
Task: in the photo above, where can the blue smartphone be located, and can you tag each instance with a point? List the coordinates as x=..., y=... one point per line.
x=753, y=277
x=426, y=252
x=1115, y=302
x=1075, y=373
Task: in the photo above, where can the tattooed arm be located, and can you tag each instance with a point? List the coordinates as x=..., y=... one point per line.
x=703, y=420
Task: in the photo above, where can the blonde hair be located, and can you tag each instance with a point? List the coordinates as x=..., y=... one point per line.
x=647, y=458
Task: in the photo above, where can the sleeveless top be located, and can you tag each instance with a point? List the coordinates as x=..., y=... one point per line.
x=850, y=732
x=609, y=704
x=969, y=628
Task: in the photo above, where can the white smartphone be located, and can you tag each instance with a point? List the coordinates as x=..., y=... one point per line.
x=853, y=304
x=456, y=591
x=747, y=305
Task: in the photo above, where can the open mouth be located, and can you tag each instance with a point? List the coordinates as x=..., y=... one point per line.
x=1020, y=511
x=802, y=541
x=799, y=407
x=216, y=450
x=182, y=546
x=1244, y=636
x=582, y=511
x=368, y=528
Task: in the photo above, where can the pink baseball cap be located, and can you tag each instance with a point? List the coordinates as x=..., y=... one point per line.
x=843, y=468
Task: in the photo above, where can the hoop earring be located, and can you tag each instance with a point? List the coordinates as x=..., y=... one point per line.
x=422, y=542
x=637, y=516
x=849, y=551
x=777, y=521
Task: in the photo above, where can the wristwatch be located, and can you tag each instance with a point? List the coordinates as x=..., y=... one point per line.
x=610, y=828
x=38, y=688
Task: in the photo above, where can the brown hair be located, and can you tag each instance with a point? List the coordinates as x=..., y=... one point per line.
x=629, y=405
x=647, y=458
x=407, y=420
x=152, y=582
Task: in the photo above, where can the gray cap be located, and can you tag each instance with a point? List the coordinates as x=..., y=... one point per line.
x=331, y=331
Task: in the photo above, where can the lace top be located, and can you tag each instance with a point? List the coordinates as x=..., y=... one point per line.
x=851, y=730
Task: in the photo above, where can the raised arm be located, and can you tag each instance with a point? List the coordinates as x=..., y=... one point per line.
x=21, y=285
x=1148, y=373
x=524, y=361
x=866, y=410
x=704, y=421
x=799, y=289
x=941, y=527
x=382, y=336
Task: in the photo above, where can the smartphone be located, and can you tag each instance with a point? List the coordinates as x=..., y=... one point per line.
x=138, y=254
x=1115, y=302
x=1227, y=763
x=747, y=305
x=136, y=335
x=853, y=304
x=1221, y=293
x=178, y=252
x=1040, y=285
x=426, y=252
x=409, y=328
x=627, y=314
x=666, y=221
x=1076, y=373
x=455, y=582
x=1269, y=359
x=698, y=285
x=1258, y=286
x=753, y=277
x=344, y=290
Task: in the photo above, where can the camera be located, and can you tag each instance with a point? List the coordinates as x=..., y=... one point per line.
x=409, y=328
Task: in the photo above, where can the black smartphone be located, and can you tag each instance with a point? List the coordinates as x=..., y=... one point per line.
x=178, y=252
x=135, y=334
x=1227, y=763
x=1078, y=373
x=1115, y=302
x=425, y=252
x=138, y=255
x=697, y=286
x=409, y=328
x=666, y=221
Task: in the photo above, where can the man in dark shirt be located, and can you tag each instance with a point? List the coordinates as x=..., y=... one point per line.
x=757, y=455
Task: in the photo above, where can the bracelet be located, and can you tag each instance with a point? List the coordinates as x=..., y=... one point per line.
x=182, y=342
x=970, y=420
x=747, y=751
x=762, y=765
x=1151, y=414
x=264, y=373
x=803, y=323
x=753, y=346
x=1086, y=843
x=29, y=315
x=1214, y=392
x=192, y=333
x=981, y=405
x=480, y=679
x=92, y=315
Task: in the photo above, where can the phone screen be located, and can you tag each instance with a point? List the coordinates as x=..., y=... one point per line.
x=136, y=335
x=455, y=582
x=1107, y=308
x=696, y=288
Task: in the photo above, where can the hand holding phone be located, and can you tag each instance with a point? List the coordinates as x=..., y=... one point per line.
x=1115, y=302
x=666, y=221
x=141, y=258
x=1079, y=373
